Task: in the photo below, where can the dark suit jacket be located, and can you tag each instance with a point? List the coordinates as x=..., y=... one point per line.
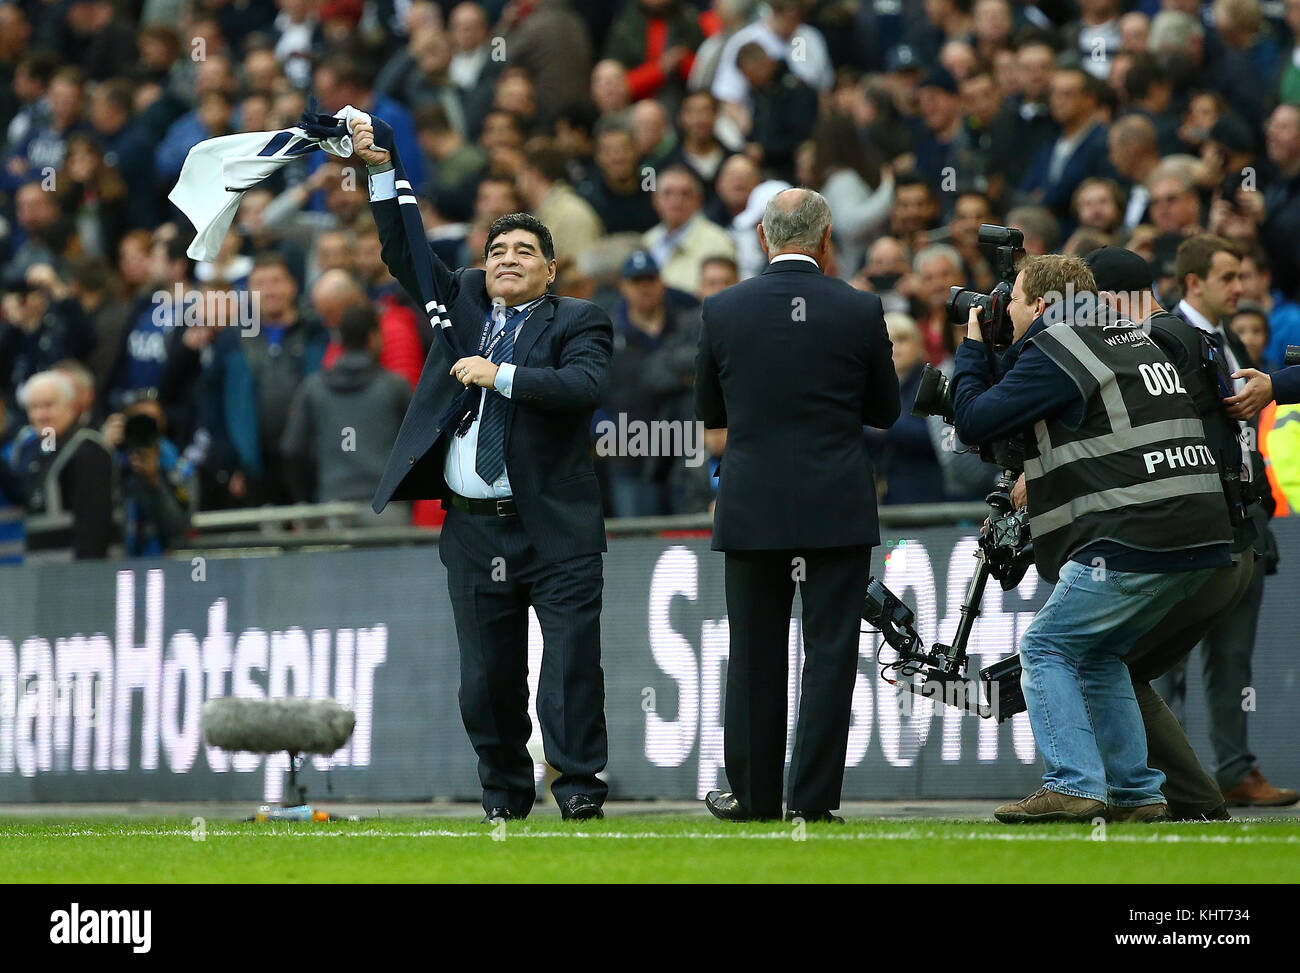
x=1088, y=159
x=562, y=355
x=1259, y=470
x=793, y=395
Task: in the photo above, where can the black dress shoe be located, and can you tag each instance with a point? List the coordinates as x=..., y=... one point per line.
x=815, y=817
x=580, y=807
x=501, y=814
x=1182, y=812
x=724, y=806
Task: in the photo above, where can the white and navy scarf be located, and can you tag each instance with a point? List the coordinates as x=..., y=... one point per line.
x=217, y=172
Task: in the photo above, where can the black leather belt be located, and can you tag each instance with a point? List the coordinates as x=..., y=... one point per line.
x=503, y=507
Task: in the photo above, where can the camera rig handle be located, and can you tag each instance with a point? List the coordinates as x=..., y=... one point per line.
x=1004, y=552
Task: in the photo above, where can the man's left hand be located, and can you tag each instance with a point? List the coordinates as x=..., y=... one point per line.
x=1019, y=494
x=1258, y=393
x=475, y=370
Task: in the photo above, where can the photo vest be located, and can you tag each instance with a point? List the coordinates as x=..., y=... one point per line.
x=1137, y=470
x=1183, y=341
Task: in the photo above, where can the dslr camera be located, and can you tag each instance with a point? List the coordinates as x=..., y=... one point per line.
x=1004, y=245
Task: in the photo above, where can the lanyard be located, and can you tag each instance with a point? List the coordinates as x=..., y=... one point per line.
x=486, y=347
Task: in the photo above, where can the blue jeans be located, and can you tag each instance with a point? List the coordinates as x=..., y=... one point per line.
x=1080, y=698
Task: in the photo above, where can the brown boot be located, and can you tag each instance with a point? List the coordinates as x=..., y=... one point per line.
x=1255, y=791
x=1045, y=805
x=1142, y=814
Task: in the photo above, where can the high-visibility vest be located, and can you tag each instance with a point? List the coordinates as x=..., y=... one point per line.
x=1279, y=443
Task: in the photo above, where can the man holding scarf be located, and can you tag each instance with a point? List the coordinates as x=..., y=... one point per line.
x=502, y=438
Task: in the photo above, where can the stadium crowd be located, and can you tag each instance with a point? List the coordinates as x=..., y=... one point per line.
x=137, y=386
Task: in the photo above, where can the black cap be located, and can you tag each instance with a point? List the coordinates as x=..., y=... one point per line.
x=939, y=77
x=1233, y=134
x=640, y=264
x=1119, y=271
x=902, y=57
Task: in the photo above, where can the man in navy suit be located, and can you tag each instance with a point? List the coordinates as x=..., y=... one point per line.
x=792, y=363
x=524, y=526
x=1079, y=151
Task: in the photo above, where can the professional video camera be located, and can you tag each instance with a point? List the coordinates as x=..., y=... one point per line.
x=1005, y=552
x=934, y=393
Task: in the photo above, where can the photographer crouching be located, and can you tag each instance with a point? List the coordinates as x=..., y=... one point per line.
x=1127, y=517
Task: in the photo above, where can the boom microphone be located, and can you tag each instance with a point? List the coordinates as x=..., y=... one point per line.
x=293, y=723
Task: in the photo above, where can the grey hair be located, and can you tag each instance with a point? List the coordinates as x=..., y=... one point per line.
x=800, y=228
x=1173, y=30
x=1180, y=167
x=941, y=251
x=67, y=391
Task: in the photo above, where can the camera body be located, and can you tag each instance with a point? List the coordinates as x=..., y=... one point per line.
x=1005, y=244
x=140, y=432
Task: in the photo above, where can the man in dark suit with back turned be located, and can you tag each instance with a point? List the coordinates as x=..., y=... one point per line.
x=793, y=363
x=524, y=525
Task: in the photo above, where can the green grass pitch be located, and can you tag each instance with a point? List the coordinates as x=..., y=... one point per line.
x=641, y=848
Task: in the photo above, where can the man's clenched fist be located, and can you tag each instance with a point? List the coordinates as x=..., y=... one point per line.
x=363, y=143
x=475, y=370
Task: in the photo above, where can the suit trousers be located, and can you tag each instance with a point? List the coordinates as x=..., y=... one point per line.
x=760, y=592
x=1226, y=652
x=494, y=575
x=1166, y=648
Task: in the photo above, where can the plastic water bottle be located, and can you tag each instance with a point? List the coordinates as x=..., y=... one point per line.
x=303, y=812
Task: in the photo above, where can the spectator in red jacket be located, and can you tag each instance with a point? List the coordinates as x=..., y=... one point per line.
x=656, y=41
x=336, y=291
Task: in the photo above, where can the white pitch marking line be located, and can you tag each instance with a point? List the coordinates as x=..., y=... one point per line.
x=1243, y=839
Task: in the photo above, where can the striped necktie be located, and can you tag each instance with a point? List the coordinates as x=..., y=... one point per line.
x=490, y=459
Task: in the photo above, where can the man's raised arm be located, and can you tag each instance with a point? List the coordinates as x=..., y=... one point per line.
x=388, y=192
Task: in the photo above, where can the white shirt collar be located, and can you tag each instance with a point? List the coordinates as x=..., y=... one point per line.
x=499, y=309
x=1197, y=318
x=796, y=256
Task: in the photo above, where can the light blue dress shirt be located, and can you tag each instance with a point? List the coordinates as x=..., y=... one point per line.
x=459, y=469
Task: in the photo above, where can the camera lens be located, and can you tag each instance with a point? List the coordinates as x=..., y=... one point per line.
x=934, y=395
x=959, y=304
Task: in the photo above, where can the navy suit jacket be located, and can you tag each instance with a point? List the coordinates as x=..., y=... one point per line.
x=793, y=363
x=561, y=355
x=1090, y=158
x=1286, y=385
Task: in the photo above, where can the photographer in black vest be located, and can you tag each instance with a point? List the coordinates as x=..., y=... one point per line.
x=1222, y=616
x=1127, y=517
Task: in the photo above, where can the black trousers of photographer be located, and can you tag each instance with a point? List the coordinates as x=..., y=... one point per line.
x=760, y=589
x=1164, y=650
x=1226, y=651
